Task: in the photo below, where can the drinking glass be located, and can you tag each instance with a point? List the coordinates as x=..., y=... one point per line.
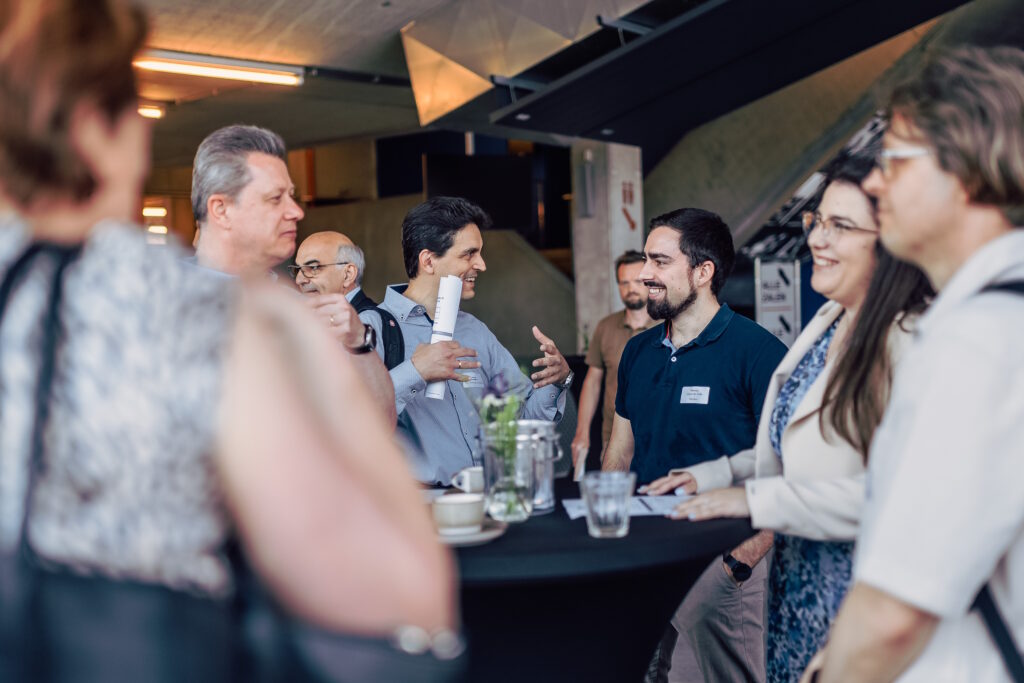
x=607, y=496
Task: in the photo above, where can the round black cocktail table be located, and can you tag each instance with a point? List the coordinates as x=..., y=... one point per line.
x=546, y=602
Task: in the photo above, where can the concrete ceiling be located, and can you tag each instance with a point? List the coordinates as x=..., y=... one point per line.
x=347, y=40
x=356, y=35
x=322, y=110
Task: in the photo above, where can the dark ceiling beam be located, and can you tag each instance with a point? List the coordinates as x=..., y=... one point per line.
x=713, y=59
x=517, y=83
x=357, y=76
x=624, y=25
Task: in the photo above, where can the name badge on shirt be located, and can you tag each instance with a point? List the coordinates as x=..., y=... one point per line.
x=695, y=395
x=475, y=379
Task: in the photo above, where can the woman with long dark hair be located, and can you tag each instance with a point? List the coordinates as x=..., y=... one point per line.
x=804, y=478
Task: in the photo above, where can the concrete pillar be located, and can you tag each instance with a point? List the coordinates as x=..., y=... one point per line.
x=608, y=210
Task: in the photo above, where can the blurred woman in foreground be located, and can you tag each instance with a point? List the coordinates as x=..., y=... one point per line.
x=147, y=416
x=804, y=478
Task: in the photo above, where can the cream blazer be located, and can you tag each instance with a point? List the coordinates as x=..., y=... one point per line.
x=819, y=493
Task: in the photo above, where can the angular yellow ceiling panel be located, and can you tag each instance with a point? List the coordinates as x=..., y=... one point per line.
x=452, y=53
x=439, y=84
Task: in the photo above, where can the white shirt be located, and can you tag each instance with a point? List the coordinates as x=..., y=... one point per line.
x=945, y=495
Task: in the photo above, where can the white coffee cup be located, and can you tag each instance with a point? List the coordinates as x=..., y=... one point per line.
x=470, y=479
x=458, y=513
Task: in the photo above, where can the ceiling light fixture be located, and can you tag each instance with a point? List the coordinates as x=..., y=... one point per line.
x=167, y=61
x=154, y=211
x=151, y=111
x=157, y=229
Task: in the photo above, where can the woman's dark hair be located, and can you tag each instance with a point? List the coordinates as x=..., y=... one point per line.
x=703, y=236
x=432, y=225
x=857, y=391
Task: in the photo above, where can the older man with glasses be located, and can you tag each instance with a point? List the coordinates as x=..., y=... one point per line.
x=329, y=269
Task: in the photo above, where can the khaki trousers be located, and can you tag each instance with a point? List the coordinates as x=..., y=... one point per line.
x=717, y=634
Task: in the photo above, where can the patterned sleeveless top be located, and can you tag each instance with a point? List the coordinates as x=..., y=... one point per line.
x=127, y=487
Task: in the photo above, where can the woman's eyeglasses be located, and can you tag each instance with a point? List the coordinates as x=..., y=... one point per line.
x=830, y=228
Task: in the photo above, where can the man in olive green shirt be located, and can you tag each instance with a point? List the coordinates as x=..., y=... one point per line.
x=610, y=337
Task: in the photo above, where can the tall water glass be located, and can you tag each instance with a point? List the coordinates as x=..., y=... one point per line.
x=607, y=496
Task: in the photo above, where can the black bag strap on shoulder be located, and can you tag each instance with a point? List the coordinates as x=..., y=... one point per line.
x=391, y=333
x=984, y=603
x=19, y=571
x=1011, y=286
x=1000, y=633
x=50, y=616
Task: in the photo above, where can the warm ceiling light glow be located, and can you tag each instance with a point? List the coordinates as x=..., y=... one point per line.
x=157, y=229
x=154, y=211
x=170, y=62
x=151, y=111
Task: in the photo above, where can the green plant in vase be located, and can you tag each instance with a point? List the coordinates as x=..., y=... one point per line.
x=508, y=471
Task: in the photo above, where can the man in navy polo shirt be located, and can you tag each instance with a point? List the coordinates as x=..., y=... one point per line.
x=692, y=390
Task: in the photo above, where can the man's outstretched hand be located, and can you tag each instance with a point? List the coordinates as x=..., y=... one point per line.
x=555, y=367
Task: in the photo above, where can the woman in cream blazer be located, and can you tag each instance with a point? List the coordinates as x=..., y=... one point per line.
x=804, y=477
x=820, y=492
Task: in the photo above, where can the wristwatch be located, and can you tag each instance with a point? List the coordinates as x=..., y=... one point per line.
x=740, y=571
x=567, y=382
x=369, y=341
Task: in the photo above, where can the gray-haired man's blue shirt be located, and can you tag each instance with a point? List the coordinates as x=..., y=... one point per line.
x=446, y=430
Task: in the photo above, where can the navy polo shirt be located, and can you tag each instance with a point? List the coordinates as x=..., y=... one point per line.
x=699, y=402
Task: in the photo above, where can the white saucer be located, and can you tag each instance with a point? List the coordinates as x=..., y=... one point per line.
x=490, y=531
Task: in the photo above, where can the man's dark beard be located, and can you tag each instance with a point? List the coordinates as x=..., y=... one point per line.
x=635, y=304
x=663, y=310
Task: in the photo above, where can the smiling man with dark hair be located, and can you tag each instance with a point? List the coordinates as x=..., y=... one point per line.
x=691, y=390
x=442, y=237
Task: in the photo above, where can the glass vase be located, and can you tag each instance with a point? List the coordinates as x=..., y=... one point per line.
x=508, y=472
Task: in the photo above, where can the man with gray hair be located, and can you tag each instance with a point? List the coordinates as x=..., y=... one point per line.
x=329, y=267
x=244, y=201
x=244, y=204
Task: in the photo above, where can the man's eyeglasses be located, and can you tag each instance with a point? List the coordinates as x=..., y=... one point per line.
x=830, y=228
x=313, y=269
x=886, y=156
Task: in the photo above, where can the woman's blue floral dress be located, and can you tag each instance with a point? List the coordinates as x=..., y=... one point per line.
x=808, y=578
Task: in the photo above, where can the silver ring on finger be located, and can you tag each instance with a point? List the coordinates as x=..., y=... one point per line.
x=460, y=364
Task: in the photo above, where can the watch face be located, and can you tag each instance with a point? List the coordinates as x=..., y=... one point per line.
x=740, y=571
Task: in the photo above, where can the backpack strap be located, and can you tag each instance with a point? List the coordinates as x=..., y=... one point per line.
x=1000, y=632
x=984, y=602
x=1010, y=286
x=391, y=333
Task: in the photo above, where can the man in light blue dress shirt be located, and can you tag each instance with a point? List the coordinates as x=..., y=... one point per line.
x=441, y=237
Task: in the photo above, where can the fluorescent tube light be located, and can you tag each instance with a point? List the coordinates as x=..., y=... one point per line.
x=167, y=61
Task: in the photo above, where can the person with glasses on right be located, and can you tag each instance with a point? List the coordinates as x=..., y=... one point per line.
x=804, y=478
x=938, y=592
